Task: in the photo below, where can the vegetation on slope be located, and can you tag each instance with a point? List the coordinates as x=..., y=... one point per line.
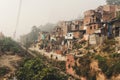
x=8, y=45
x=36, y=69
x=107, y=58
x=3, y=71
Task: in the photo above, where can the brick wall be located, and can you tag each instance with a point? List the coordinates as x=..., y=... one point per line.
x=69, y=63
x=110, y=8
x=91, y=28
x=91, y=16
x=76, y=34
x=65, y=26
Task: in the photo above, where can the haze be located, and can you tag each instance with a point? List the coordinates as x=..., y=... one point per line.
x=40, y=12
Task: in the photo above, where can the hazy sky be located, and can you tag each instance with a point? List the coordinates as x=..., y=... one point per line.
x=37, y=12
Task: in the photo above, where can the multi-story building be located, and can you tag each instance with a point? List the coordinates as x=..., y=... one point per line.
x=65, y=26
x=74, y=26
x=108, y=12
x=92, y=21
x=77, y=29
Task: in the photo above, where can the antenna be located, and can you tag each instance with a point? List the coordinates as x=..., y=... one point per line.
x=18, y=18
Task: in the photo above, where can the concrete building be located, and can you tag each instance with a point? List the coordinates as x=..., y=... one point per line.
x=114, y=28
x=77, y=29
x=108, y=12
x=59, y=32
x=96, y=39
x=92, y=21
x=73, y=26
x=65, y=26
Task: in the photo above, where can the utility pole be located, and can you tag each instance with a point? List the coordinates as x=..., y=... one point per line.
x=26, y=45
x=18, y=18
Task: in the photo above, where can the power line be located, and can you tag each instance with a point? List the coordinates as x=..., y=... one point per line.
x=18, y=18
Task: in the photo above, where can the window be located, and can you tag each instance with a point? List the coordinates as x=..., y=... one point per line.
x=93, y=20
x=93, y=16
x=119, y=31
x=70, y=42
x=90, y=20
x=76, y=27
x=69, y=66
x=56, y=58
x=67, y=59
x=94, y=27
x=90, y=27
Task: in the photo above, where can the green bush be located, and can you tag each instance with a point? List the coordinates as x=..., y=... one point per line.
x=77, y=46
x=84, y=69
x=110, y=42
x=111, y=67
x=36, y=69
x=114, y=55
x=3, y=71
x=102, y=63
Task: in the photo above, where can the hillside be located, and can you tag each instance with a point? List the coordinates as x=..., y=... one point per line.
x=11, y=54
x=98, y=62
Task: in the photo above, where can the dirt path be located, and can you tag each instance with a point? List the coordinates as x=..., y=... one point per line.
x=54, y=55
x=9, y=61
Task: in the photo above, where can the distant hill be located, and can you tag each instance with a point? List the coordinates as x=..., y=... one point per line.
x=47, y=27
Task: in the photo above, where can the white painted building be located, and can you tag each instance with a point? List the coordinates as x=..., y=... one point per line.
x=69, y=36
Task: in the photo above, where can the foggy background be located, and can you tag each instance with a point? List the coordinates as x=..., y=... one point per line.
x=40, y=12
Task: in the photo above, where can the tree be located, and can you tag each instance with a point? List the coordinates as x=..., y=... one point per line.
x=35, y=33
x=113, y=2
x=7, y=44
x=31, y=37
